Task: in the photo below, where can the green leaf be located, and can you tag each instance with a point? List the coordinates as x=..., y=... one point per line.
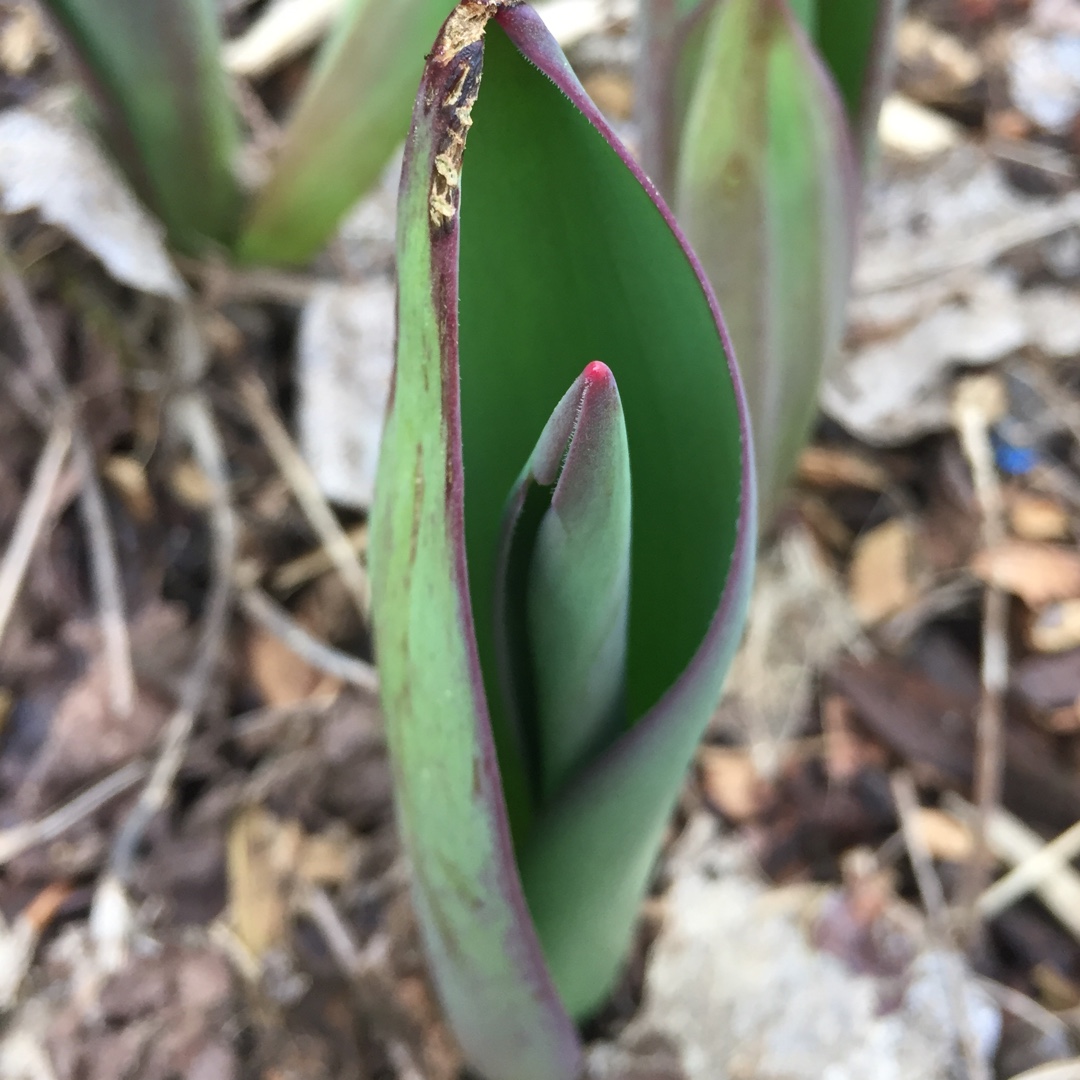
x=353, y=113
x=766, y=191
x=154, y=70
x=856, y=37
x=536, y=250
x=564, y=577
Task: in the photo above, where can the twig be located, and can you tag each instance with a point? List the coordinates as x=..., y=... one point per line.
x=32, y=517
x=353, y=961
x=933, y=898
x=313, y=564
x=978, y=402
x=19, y=942
x=105, y=569
x=274, y=619
x=1014, y=843
x=20, y=838
x=1031, y=873
x=304, y=486
x=192, y=416
x=367, y=968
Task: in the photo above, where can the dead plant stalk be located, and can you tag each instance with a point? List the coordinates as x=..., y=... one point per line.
x=978, y=402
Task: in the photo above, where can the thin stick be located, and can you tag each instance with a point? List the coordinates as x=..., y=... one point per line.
x=933, y=898
x=104, y=566
x=20, y=838
x=1014, y=843
x=304, y=486
x=978, y=402
x=108, y=591
x=193, y=417
x=1031, y=873
x=313, y=564
x=274, y=619
x=33, y=514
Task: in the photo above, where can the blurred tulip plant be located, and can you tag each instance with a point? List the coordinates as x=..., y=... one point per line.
x=757, y=117
x=162, y=102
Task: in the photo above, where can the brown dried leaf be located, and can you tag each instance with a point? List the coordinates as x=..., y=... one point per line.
x=945, y=837
x=1036, y=517
x=881, y=581
x=613, y=93
x=1064, y=721
x=128, y=475
x=87, y=738
x=1038, y=573
x=260, y=855
x=267, y=859
x=281, y=677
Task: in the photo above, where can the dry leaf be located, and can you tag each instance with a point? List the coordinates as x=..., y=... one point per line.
x=259, y=857
x=930, y=299
x=50, y=164
x=830, y=467
x=613, y=94
x=280, y=675
x=1064, y=721
x=128, y=476
x=731, y=782
x=945, y=837
x=736, y=986
x=1038, y=573
x=1036, y=517
x=267, y=859
x=191, y=485
x=345, y=353
x=881, y=572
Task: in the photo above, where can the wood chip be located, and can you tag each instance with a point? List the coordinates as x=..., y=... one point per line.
x=881, y=579
x=1038, y=573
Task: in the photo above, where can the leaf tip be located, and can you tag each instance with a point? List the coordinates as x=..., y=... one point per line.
x=597, y=373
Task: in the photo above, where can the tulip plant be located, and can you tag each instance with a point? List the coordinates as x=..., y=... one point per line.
x=562, y=537
x=750, y=114
x=163, y=105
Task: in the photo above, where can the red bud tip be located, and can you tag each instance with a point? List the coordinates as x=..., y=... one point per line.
x=597, y=372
